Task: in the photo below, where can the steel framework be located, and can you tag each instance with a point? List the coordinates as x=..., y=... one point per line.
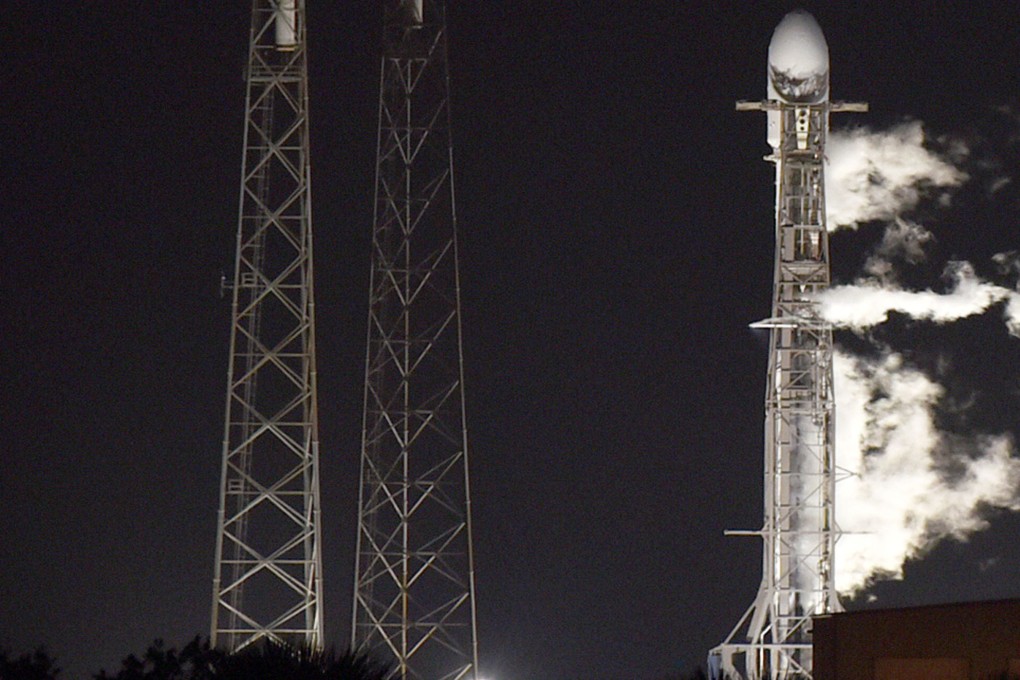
x=414, y=591
x=799, y=531
x=268, y=568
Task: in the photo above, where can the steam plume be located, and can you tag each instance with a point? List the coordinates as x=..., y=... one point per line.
x=910, y=484
x=879, y=175
x=905, y=484
x=903, y=240
x=868, y=304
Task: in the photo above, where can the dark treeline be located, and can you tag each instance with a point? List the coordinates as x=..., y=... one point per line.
x=198, y=661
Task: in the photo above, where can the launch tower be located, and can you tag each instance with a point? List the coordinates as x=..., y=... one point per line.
x=267, y=582
x=773, y=638
x=414, y=583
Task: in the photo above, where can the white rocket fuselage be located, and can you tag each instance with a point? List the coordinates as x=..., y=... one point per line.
x=773, y=638
x=798, y=66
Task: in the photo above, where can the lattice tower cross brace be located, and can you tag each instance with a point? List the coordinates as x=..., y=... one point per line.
x=414, y=590
x=267, y=581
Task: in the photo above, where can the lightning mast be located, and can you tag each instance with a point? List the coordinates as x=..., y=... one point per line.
x=414, y=584
x=773, y=638
x=267, y=582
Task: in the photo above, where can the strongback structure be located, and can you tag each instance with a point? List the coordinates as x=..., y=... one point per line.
x=414, y=589
x=773, y=638
x=268, y=570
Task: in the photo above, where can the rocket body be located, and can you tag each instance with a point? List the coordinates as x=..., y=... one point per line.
x=798, y=66
x=773, y=638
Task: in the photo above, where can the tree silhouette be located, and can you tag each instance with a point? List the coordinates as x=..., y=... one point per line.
x=273, y=661
x=37, y=665
x=269, y=661
x=195, y=661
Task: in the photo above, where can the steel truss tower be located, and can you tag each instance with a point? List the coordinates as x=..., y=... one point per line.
x=799, y=531
x=268, y=574
x=414, y=590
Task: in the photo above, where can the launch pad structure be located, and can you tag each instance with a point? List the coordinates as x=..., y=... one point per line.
x=267, y=582
x=414, y=602
x=799, y=532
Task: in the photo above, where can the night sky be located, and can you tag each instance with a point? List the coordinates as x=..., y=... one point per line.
x=616, y=240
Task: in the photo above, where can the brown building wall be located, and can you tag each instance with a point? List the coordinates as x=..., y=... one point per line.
x=969, y=641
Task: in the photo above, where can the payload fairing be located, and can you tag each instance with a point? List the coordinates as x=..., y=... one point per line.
x=798, y=67
x=798, y=61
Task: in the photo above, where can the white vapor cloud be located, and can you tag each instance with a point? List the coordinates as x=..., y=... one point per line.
x=868, y=303
x=907, y=485
x=1009, y=264
x=904, y=483
x=877, y=175
x=1013, y=314
x=903, y=240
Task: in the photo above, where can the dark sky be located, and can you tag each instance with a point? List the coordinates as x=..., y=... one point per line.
x=616, y=241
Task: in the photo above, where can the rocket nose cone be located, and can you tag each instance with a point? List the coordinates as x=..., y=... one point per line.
x=799, y=59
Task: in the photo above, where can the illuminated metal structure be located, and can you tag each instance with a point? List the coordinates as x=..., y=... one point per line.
x=268, y=573
x=414, y=584
x=773, y=638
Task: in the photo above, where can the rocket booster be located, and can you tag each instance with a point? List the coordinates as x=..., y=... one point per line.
x=799, y=534
x=798, y=66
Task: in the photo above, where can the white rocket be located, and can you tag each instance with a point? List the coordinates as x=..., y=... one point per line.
x=798, y=66
x=798, y=534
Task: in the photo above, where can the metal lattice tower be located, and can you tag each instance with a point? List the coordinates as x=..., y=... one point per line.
x=268, y=574
x=799, y=532
x=414, y=589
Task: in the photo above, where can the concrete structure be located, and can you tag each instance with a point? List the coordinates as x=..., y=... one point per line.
x=966, y=641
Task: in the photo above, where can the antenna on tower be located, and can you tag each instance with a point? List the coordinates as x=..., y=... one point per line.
x=267, y=582
x=414, y=585
x=773, y=638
